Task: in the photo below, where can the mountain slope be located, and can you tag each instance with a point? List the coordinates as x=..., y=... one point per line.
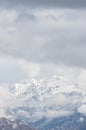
x=42, y=101
x=6, y=124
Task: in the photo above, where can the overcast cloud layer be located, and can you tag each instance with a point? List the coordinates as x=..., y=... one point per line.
x=45, y=3
x=42, y=38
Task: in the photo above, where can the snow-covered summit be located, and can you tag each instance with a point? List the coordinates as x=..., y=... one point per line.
x=43, y=98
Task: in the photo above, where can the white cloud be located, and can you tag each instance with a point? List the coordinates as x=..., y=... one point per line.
x=30, y=69
x=60, y=113
x=2, y=113
x=56, y=36
x=6, y=98
x=59, y=99
x=81, y=80
x=82, y=109
x=14, y=70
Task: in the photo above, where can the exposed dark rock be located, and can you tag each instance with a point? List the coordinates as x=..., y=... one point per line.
x=6, y=124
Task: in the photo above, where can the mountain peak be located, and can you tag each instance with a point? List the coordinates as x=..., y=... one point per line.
x=35, y=100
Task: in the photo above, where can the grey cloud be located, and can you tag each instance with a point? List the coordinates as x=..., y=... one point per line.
x=74, y=56
x=67, y=47
x=44, y=3
x=57, y=52
x=25, y=17
x=38, y=36
x=47, y=40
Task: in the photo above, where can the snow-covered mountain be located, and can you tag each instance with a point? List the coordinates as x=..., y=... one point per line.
x=42, y=101
x=6, y=124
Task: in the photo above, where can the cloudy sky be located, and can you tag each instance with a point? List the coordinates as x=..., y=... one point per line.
x=41, y=38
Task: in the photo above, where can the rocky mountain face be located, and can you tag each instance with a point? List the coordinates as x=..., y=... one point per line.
x=6, y=124
x=73, y=122
x=48, y=104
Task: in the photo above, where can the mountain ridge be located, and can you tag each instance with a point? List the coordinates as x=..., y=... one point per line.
x=43, y=100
